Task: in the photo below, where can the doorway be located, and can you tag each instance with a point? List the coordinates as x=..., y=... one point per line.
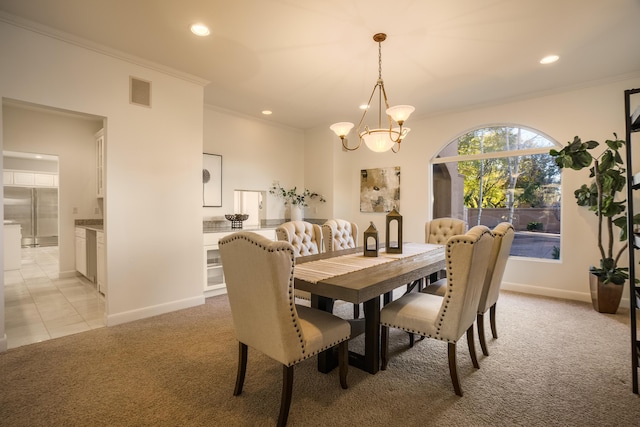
x=46, y=296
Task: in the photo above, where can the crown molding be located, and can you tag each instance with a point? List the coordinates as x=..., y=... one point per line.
x=101, y=49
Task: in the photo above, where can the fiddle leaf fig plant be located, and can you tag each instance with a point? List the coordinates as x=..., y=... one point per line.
x=602, y=196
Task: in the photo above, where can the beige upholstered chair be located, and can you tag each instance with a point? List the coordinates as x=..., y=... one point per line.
x=339, y=234
x=259, y=278
x=504, y=235
x=445, y=318
x=438, y=231
x=306, y=239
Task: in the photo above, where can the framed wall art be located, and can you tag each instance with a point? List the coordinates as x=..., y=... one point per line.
x=380, y=189
x=211, y=180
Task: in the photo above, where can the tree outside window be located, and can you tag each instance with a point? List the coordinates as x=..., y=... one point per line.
x=503, y=173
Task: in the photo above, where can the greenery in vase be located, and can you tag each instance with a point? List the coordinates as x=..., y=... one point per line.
x=294, y=198
x=602, y=196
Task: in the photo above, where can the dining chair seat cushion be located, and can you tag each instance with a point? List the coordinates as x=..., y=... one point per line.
x=415, y=312
x=439, y=287
x=321, y=330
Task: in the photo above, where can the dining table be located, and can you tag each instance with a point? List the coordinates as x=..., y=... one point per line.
x=348, y=275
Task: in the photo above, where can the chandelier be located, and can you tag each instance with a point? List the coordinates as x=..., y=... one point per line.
x=380, y=139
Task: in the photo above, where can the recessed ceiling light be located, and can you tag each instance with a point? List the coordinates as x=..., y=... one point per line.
x=364, y=107
x=267, y=112
x=200, y=30
x=549, y=59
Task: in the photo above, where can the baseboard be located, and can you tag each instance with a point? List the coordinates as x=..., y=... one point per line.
x=68, y=274
x=554, y=293
x=143, y=313
x=215, y=292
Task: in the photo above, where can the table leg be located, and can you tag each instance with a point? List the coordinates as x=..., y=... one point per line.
x=372, y=335
x=327, y=360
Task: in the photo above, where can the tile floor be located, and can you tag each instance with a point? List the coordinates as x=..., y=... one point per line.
x=40, y=306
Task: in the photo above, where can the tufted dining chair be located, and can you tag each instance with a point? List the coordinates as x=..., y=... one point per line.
x=437, y=231
x=259, y=278
x=340, y=234
x=504, y=235
x=306, y=239
x=445, y=318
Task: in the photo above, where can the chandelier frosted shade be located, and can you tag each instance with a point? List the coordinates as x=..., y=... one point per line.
x=342, y=129
x=381, y=140
x=400, y=113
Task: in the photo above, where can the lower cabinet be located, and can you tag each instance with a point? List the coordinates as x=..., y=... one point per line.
x=81, y=250
x=101, y=282
x=213, y=274
x=86, y=253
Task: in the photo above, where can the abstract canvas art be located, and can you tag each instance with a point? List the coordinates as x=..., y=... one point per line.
x=380, y=189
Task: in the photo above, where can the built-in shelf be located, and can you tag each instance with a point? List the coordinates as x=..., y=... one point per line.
x=632, y=120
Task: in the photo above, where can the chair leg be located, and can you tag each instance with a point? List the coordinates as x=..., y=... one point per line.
x=343, y=362
x=492, y=312
x=483, y=342
x=356, y=311
x=472, y=347
x=242, y=368
x=287, y=389
x=384, y=346
x=412, y=339
x=453, y=368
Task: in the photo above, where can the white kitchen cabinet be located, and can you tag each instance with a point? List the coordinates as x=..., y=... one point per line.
x=81, y=251
x=29, y=179
x=7, y=177
x=213, y=274
x=12, y=246
x=24, y=178
x=101, y=281
x=100, y=163
x=86, y=253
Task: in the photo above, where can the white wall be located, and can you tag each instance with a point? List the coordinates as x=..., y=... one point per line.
x=153, y=213
x=254, y=154
x=72, y=140
x=592, y=113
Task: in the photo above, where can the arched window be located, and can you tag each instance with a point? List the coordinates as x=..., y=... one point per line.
x=502, y=173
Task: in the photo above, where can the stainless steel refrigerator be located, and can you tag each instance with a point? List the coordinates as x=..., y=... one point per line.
x=36, y=210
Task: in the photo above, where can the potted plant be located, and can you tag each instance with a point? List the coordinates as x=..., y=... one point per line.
x=295, y=200
x=602, y=195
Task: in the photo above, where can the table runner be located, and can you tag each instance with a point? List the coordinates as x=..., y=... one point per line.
x=316, y=271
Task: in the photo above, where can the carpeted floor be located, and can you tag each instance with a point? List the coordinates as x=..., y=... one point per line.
x=556, y=363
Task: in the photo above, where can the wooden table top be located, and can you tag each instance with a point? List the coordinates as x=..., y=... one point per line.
x=370, y=282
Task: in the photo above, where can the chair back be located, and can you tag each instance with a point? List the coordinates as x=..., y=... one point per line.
x=339, y=234
x=439, y=230
x=504, y=235
x=306, y=238
x=259, y=277
x=467, y=256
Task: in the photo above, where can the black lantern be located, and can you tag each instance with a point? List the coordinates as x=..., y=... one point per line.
x=394, y=246
x=371, y=241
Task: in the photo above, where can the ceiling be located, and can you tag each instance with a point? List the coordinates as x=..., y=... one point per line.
x=314, y=62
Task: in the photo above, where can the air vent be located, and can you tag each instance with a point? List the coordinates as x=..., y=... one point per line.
x=139, y=92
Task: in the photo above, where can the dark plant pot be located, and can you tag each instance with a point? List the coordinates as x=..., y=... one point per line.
x=605, y=297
